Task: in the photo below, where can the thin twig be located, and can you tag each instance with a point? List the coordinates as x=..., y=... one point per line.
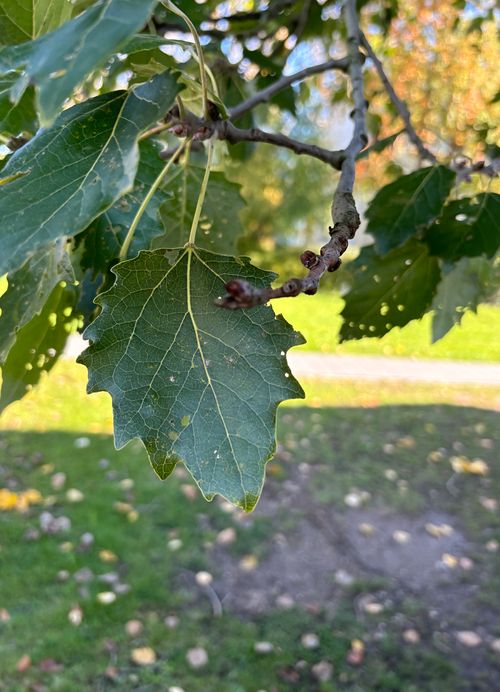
x=225, y=130
x=346, y=221
x=398, y=104
x=147, y=199
x=283, y=82
x=202, y=129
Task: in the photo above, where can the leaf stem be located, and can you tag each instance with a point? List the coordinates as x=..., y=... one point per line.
x=203, y=78
x=147, y=199
x=201, y=197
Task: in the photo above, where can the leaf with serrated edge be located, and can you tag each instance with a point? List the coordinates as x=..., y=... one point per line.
x=29, y=289
x=38, y=344
x=460, y=289
x=57, y=62
x=103, y=239
x=195, y=383
x=468, y=227
x=389, y=291
x=411, y=202
x=67, y=175
x=219, y=223
x=22, y=20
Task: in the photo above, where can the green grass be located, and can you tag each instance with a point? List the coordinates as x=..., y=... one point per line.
x=340, y=432
x=318, y=318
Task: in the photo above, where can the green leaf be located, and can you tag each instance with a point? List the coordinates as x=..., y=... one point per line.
x=67, y=175
x=220, y=224
x=389, y=291
x=399, y=210
x=379, y=145
x=38, y=345
x=20, y=117
x=29, y=289
x=56, y=63
x=460, y=289
x=104, y=237
x=467, y=227
x=22, y=20
x=195, y=383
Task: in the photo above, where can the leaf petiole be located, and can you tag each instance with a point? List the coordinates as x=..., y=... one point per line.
x=133, y=226
x=201, y=197
x=203, y=79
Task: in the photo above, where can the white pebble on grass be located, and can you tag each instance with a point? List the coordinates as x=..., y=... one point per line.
x=197, y=657
x=263, y=647
x=106, y=597
x=310, y=640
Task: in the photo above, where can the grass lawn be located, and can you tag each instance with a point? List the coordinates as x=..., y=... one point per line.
x=318, y=318
x=388, y=445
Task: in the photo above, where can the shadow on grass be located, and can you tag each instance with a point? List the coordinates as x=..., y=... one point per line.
x=150, y=539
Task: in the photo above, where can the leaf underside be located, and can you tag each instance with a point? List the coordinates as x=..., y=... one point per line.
x=38, y=344
x=468, y=227
x=411, y=202
x=195, y=383
x=29, y=288
x=460, y=289
x=389, y=291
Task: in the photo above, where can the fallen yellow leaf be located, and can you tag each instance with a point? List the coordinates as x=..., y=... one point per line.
x=477, y=467
x=143, y=656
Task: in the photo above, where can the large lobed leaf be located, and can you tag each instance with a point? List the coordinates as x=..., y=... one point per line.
x=468, y=227
x=28, y=290
x=67, y=175
x=399, y=210
x=389, y=291
x=57, y=62
x=195, y=383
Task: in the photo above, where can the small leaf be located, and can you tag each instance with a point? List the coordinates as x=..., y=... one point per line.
x=411, y=202
x=74, y=171
x=459, y=290
x=195, y=383
x=379, y=145
x=29, y=289
x=219, y=223
x=38, y=345
x=467, y=227
x=57, y=62
x=389, y=291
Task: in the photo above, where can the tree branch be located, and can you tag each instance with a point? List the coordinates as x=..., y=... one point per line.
x=346, y=221
x=230, y=133
x=398, y=104
x=283, y=82
x=200, y=129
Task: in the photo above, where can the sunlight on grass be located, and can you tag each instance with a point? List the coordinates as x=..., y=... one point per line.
x=61, y=403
